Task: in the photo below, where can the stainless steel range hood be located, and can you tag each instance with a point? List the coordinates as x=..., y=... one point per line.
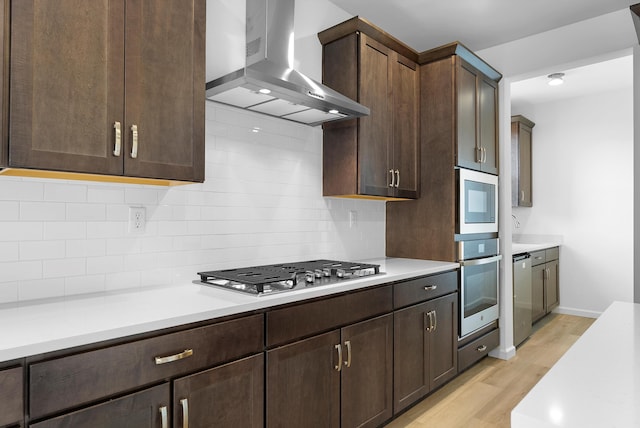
x=250, y=64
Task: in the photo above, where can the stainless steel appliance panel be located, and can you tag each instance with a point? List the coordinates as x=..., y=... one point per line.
x=477, y=210
x=521, y=298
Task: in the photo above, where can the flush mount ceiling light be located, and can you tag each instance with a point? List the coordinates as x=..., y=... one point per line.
x=556, y=79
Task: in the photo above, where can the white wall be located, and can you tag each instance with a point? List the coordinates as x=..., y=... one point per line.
x=583, y=193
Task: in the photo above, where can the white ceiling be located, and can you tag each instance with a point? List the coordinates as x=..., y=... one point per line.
x=478, y=24
x=481, y=24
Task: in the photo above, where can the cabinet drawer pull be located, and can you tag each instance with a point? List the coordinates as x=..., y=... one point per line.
x=163, y=417
x=185, y=412
x=134, y=145
x=430, y=287
x=348, y=361
x=118, y=139
x=397, y=178
x=184, y=354
x=393, y=179
x=338, y=366
x=481, y=348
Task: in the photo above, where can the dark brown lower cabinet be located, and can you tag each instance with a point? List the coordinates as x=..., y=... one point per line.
x=425, y=348
x=341, y=378
x=11, y=392
x=148, y=408
x=544, y=283
x=229, y=396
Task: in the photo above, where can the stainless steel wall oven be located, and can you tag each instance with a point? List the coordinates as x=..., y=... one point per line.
x=479, y=282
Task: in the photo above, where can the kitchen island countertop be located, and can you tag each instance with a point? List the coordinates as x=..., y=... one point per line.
x=37, y=327
x=596, y=383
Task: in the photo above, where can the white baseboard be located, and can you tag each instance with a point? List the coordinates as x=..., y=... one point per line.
x=503, y=354
x=577, y=312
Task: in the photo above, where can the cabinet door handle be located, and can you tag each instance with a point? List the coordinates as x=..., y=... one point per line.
x=397, y=178
x=393, y=178
x=429, y=321
x=134, y=145
x=348, y=345
x=435, y=321
x=171, y=358
x=163, y=417
x=430, y=287
x=118, y=139
x=484, y=155
x=338, y=348
x=185, y=412
x=522, y=195
x=481, y=348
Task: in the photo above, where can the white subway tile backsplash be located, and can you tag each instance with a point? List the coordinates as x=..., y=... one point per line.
x=105, y=264
x=64, y=267
x=16, y=189
x=261, y=203
x=8, y=292
x=84, y=284
x=86, y=212
x=20, y=270
x=105, y=195
x=85, y=247
x=65, y=192
x=40, y=250
x=9, y=210
x=42, y=211
x=116, y=246
x=9, y=251
x=122, y=280
x=65, y=230
x=21, y=231
x=41, y=289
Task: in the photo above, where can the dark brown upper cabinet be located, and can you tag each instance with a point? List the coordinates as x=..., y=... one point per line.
x=472, y=102
x=521, y=167
x=110, y=88
x=375, y=156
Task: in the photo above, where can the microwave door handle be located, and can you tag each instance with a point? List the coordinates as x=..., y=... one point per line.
x=484, y=261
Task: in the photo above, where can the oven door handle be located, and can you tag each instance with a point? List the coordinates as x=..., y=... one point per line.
x=484, y=261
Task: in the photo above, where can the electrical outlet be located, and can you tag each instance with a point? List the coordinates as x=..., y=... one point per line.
x=137, y=220
x=353, y=219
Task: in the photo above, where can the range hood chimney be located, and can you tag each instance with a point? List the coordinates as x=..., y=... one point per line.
x=250, y=64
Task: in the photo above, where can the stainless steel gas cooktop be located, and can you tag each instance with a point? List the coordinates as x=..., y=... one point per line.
x=268, y=279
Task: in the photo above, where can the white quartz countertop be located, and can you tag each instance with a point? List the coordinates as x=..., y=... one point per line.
x=522, y=247
x=596, y=383
x=37, y=327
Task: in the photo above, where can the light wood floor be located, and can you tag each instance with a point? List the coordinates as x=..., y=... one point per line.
x=485, y=394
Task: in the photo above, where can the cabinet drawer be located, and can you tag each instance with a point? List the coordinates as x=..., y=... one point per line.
x=478, y=349
x=77, y=379
x=552, y=253
x=11, y=392
x=538, y=257
x=142, y=409
x=294, y=322
x=424, y=288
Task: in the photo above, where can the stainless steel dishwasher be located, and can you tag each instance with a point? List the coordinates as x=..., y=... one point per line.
x=521, y=297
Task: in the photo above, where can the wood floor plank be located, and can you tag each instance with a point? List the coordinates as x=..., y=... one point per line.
x=484, y=395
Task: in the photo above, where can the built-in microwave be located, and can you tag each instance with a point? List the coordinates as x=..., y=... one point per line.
x=477, y=205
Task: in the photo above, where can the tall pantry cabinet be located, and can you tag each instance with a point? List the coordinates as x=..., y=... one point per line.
x=112, y=88
x=458, y=128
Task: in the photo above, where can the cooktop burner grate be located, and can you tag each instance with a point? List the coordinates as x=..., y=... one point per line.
x=287, y=276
